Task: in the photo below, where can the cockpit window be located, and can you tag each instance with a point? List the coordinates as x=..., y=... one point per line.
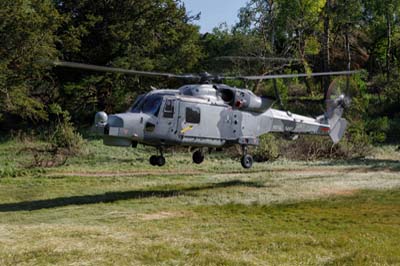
x=148, y=104
x=152, y=104
x=137, y=104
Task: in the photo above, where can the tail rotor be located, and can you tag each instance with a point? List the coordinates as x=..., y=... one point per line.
x=337, y=101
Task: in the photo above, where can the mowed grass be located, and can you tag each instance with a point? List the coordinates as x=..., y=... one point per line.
x=109, y=207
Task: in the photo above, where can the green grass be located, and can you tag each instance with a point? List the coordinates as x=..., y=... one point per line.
x=109, y=207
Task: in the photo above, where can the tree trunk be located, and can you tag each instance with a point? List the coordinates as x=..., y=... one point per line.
x=272, y=23
x=348, y=52
x=325, y=48
x=389, y=45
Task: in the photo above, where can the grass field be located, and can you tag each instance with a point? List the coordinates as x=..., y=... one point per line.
x=109, y=207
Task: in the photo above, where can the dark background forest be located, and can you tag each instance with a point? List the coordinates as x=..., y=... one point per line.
x=160, y=35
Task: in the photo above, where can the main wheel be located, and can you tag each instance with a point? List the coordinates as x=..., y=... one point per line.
x=198, y=157
x=153, y=160
x=160, y=161
x=247, y=161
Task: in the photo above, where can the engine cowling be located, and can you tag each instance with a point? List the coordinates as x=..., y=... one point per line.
x=245, y=100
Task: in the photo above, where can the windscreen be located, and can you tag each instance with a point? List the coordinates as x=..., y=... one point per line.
x=137, y=104
x=149, y=104
x=152, y=104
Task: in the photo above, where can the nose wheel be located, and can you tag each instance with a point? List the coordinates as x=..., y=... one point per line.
x=198, y=157
x=247, y=159
x=157, y=160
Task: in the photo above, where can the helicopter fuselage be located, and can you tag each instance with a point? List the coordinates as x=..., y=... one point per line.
x=206, y=115
x=203, y=116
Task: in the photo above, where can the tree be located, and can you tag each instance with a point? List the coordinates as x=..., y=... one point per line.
x=224, y=42
x=259, y=18
x=382, y=16
x=140, y=34
x=347, y=23
x=27, y=40
x=326, y=45
x=289, y=27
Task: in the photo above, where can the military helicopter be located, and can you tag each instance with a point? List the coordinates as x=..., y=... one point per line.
x=210, y=114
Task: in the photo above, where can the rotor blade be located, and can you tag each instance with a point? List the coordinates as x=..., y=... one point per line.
x=250, y=58
x=121, y=70
x=289, y=76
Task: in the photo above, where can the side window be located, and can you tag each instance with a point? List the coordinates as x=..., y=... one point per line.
x=169, y=109
x=193, y=115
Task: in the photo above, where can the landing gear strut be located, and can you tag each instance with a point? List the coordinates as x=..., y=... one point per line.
x=198, y=157
x=247, y=159
x=158, y=160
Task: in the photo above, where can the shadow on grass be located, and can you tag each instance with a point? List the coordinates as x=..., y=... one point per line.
x=116, y=196
x=371, y=164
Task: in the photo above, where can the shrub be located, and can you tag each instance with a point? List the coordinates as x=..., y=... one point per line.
x=377, y=129
x=64, y=135
x=268, y=149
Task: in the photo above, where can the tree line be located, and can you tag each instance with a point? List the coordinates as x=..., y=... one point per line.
x=272, y=36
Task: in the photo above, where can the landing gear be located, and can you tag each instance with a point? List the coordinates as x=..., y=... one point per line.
x=153, y=160
x=247, y=159
x=158, y=160
x=198, y=157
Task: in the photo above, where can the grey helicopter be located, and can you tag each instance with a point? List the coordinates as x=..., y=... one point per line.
x=211, y=115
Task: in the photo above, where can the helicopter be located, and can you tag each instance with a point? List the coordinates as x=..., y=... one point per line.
x=209, y=114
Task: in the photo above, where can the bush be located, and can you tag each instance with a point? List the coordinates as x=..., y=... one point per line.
x=268, y=150
x=310, y=148
x=377, y=129
x=64, y=135
x=355, y=144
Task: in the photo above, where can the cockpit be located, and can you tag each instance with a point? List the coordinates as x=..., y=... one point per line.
x=148, y=104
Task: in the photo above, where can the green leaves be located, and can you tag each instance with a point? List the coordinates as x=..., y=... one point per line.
x=22, y=104
x=27, y=37
x=312, y=46
x=139, y=34
x=136, y=34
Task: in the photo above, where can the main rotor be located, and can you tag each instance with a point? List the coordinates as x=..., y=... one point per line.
x=202, y=78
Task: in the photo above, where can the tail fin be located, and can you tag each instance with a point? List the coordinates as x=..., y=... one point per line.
x=334, y=118
x=338, y=130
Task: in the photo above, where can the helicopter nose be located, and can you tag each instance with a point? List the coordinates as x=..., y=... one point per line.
x=126, y=125
x=115, y=121
x=114, y=125
x=119, y=131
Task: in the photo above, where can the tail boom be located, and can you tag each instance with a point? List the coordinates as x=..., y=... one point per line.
x=288, y=123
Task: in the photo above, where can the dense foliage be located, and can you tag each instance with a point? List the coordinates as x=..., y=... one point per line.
x=146, y=35
x=321, y=35
x=28, y=37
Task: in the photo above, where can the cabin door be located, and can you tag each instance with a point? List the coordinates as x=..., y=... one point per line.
x=166, y=129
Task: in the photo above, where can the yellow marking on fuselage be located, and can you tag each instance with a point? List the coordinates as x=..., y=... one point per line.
x=186, y=129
